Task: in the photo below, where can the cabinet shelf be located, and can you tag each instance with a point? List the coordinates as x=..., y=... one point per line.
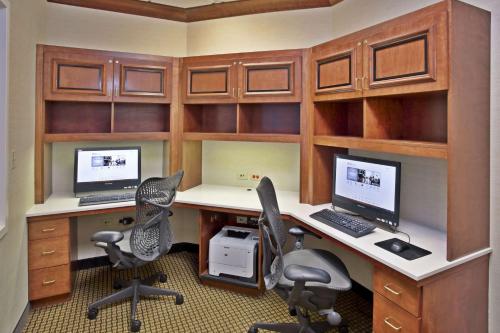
x=200, y=136
x=404, y=147
x=138, y=136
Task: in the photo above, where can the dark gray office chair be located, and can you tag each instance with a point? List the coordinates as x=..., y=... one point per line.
x=309, y=280
x=148, y=240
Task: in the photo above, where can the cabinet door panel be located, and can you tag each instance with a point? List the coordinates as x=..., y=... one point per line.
x=73, y=76
x=209, y=82
x=142, y=81
x=275, y=79
x=408, y=55
x=337, y=70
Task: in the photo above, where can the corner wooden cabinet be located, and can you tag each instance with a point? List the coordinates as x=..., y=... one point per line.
x=261, y=77
x=407, y=57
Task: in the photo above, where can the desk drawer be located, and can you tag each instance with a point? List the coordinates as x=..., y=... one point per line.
x=390, y=318
x=48, y=229
x=47, y=282
x=398, y=290
x=48, y=252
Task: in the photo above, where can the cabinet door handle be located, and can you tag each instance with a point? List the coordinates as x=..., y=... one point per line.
x=389, y=289
x=48, y=253
x=48, y=283
x=239, y=92
x=391, y=325
x=48, y=229
x=234, y=92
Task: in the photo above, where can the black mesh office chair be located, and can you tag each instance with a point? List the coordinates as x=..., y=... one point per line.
x=309, y=280
x=148, y=240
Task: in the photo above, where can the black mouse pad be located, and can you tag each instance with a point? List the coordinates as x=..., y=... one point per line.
x=411, y=253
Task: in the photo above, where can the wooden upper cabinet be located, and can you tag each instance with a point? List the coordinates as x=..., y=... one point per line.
x=412, y=54
x=276, y=79
x=74, y=76
x=209, y=82
x=337, y=69
x=142, y=81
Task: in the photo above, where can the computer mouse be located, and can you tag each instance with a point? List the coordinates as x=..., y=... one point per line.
x=399, y=246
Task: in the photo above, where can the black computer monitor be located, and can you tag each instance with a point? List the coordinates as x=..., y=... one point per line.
x=101, y=169
x=368, y=187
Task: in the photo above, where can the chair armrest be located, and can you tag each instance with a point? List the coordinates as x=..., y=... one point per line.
x=107, y=236
x=300, y=232
x=299, y=273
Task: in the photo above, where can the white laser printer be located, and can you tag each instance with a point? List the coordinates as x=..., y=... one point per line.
x=233, y=253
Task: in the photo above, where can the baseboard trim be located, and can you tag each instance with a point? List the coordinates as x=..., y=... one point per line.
x=104, y=261
x=21, y=323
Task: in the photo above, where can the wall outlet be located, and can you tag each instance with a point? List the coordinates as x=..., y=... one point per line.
x=255, y=177
x=241, y=219
x=242, y=176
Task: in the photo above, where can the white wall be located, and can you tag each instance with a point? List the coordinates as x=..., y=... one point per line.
x=102, y=30
x=25, y=24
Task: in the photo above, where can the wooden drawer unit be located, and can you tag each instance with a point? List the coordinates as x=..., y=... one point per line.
x=389, y=317
x=48, y=229
x=275, y=79
x=48, y=282
x=48, y=252
x=398, y=289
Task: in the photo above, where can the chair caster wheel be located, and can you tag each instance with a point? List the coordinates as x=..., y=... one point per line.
x=162, y=278
x=135, y=325
x=179, y=299
x=253, y=330
x=292, y=312
x=117, y=285
x=92, y=313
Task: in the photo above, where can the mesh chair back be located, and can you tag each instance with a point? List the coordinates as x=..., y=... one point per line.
x=152, y=236
x=273, y=231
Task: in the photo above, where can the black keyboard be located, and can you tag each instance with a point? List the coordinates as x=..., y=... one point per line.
x=345, y=223
x=99, y=199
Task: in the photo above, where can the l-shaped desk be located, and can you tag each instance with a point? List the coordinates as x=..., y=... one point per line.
x=414, y=294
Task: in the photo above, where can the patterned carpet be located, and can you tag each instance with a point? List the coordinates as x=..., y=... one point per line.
x=205, y=309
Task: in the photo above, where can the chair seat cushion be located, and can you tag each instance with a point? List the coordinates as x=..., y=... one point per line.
x=322, y=259
x=124, y=244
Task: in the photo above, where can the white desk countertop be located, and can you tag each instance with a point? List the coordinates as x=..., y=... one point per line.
x=242, y=199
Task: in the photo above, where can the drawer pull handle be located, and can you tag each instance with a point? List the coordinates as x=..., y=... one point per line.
x=48, y=253
x=386, y=287
x=48, y=229
x=391, y=325
x=48, y=283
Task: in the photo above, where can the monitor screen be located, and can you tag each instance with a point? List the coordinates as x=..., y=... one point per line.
x=99, y=169
x=369, y=187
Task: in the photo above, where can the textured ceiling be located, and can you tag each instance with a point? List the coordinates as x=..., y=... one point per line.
x=188, y=3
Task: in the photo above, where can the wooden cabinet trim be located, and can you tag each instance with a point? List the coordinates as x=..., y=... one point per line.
x=215, y=69
x=287, y=65
x=57, y=81
x=347, y=55
x=379, y=47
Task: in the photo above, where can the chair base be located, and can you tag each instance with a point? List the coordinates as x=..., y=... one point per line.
x=304, y=325
x=134, y=289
